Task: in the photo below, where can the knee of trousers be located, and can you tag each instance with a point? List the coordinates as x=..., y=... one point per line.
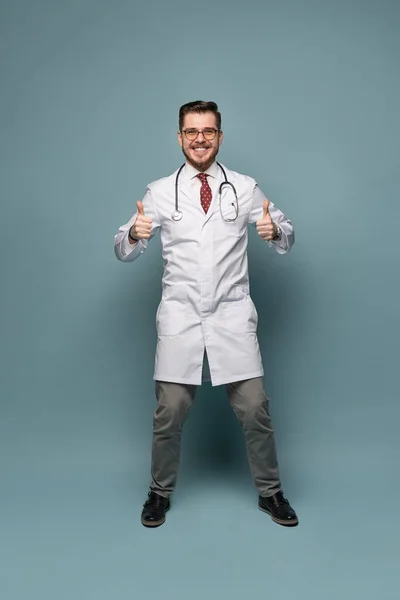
x=172, y=410
x=253, y=410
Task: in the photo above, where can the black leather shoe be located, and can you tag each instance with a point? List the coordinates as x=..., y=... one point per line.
x=154, y=509
x=279, y=509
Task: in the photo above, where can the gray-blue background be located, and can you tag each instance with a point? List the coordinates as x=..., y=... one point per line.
x=90, y=91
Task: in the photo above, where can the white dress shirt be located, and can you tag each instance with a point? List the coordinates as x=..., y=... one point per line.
x=191, y=175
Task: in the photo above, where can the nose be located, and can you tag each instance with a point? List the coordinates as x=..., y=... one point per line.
x=200, y=137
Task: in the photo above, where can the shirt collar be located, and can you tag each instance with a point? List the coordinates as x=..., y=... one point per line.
x=191, y=172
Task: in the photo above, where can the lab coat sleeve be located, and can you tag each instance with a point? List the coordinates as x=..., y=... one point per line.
x=127, y=252
x=283, y=245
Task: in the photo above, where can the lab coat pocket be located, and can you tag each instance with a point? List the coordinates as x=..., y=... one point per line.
x=230, y=222
x=171, y=317
x=223, y=229
x=239, y=316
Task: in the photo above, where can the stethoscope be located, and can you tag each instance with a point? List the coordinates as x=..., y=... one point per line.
x=177, y=214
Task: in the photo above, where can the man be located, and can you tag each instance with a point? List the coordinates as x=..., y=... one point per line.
x=206, y=318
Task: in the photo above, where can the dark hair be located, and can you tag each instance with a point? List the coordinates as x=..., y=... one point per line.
x=199, y=106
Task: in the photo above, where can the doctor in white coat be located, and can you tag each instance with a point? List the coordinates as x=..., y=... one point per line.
x=206, y=320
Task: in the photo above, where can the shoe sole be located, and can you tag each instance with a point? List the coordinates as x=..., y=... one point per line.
x=155, y=523
x=280, y=521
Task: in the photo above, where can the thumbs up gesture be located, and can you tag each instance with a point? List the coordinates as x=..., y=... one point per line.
x=266, y=228
x=141, y=229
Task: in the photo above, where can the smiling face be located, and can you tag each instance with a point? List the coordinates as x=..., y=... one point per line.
x=201, y=151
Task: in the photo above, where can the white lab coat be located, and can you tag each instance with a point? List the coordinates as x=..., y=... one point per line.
x=206, y=307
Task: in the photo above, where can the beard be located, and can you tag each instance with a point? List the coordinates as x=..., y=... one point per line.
x=201, y=166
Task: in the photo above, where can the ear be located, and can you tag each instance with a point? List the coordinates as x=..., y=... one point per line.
x=221, y=137
x=180, y=139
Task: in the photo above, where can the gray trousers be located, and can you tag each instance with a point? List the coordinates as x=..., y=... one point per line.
x=250, y=405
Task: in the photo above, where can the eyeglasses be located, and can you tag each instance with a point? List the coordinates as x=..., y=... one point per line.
x=209, y=133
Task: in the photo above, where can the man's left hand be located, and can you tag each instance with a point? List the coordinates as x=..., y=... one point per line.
x=266, y=228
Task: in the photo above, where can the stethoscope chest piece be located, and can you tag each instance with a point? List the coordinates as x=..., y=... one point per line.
x=177, y=215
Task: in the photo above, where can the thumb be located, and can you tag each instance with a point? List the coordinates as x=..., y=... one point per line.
x=266, y=209
x=140, y=208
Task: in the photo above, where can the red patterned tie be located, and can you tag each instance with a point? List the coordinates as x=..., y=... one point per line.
x=205, y=192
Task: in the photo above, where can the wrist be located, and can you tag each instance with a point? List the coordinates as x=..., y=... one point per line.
x=278, y=233
x=130, y=236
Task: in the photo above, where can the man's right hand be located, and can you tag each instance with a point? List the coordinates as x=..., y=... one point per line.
x=141, y=229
